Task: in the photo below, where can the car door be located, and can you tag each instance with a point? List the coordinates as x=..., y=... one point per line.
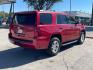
x=65, y=28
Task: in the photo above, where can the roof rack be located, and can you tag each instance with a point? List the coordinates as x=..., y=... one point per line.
x=47, y=10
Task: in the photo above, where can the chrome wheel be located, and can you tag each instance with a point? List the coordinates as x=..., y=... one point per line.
x=55, y=46
x=82, y=37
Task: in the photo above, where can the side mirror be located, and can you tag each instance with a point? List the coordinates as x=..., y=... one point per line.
x=77, y=22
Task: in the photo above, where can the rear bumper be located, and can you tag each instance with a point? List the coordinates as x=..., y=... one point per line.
x=24, y=43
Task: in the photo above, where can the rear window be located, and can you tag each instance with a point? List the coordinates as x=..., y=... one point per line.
x=45, y=18
x=25, y=19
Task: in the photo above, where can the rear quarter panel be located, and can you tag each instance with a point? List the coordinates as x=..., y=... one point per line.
x=44, y=32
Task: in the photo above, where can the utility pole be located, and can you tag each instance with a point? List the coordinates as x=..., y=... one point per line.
x=28, y=5
x=70, y=6
x=11, y=12
x=92, y=16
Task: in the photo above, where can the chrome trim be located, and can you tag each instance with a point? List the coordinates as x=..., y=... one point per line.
x=69, y=43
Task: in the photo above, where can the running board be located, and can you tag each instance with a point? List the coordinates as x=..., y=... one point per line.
x=69, y=43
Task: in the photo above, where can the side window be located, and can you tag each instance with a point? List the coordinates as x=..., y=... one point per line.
x=61, y=19
x=71, y=20
x=45, y=18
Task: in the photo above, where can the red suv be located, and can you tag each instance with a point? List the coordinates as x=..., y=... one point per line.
x=45, y=30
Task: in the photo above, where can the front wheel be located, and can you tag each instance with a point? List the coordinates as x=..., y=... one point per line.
x=54, y=46
x=82, y=38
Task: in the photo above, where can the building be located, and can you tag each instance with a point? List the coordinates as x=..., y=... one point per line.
x=81, y=16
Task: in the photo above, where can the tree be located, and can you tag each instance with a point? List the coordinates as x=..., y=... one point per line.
x=4, y=14
x=41, y=4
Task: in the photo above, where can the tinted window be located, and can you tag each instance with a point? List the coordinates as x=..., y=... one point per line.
x=71, y=20
x=45, y=18
x=61, y=19
x=25, y=19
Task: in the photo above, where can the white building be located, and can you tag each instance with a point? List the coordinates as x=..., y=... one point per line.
x=81, y=16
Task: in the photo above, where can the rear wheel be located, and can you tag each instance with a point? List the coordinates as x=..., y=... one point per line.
x=54, y=46
x=82, y=38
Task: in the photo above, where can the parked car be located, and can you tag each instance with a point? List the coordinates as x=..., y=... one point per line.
x=45, y=30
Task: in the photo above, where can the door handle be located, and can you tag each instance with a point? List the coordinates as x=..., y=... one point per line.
x=61, y=28
x=72, y=27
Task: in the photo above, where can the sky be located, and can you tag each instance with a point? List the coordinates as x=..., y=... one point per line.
x=77, y=5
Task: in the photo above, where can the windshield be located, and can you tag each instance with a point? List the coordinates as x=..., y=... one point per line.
x=25, y=19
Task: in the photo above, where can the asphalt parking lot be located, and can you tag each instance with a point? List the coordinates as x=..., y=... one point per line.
x=71, y=57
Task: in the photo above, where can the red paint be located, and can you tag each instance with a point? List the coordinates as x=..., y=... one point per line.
x=40, y=35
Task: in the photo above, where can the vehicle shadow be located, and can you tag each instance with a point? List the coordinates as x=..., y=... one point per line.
x=63, y=48
x=17, y=56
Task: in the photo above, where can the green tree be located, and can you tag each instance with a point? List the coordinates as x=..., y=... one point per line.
x=41, y=4
x=3, y=14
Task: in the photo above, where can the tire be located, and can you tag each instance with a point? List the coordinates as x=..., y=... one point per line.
x=82, y=38
x=54, y=46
